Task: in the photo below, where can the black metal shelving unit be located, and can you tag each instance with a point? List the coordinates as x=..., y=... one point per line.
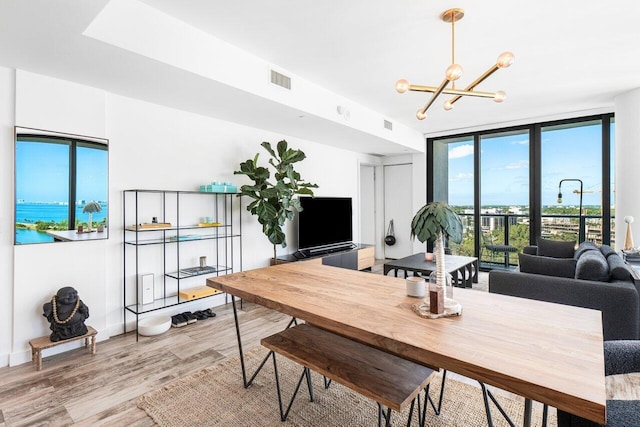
x=166, y=251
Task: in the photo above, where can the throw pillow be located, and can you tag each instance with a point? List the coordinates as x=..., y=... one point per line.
x=556, y=248
x=617, y=268
x=559, y=267
x=607, y=251
x=584, y=247
x=592, y=266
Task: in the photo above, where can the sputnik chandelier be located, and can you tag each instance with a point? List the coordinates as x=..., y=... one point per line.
x=453, y=73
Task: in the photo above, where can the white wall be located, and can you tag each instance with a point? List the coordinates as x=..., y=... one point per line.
x=627, y=159
x=7, y=115
x=150, y=147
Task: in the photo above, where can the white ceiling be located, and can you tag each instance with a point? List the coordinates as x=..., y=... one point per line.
x=572, y=57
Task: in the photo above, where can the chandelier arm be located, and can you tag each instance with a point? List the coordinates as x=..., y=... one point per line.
x=448, y=91
x=476, y=82
x=437, y=92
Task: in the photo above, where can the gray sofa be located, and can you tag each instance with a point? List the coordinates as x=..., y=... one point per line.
x=592, y=277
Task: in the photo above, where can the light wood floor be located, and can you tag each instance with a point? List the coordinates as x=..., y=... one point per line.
x=77, y=388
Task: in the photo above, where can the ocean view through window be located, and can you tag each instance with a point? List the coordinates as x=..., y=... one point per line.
x=56, y=175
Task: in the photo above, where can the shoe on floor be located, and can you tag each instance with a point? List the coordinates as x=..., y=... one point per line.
x=190, y=317
x=178, y=321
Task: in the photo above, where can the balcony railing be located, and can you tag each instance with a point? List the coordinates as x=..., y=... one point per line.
x=512, y=230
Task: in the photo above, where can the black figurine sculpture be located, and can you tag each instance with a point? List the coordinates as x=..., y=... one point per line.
x=66, y=312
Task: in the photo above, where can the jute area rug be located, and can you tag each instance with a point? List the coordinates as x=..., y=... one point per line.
x=215, y=397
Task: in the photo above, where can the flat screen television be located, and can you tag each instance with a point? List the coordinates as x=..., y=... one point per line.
x=324, y=221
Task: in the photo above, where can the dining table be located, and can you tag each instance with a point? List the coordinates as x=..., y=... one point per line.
x=544, y=352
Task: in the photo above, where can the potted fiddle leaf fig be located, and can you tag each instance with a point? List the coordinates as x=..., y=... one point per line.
x=433, y=223
x=273, y=200
x=91, y=208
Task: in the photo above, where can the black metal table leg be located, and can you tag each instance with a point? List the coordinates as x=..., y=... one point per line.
x=246, y=383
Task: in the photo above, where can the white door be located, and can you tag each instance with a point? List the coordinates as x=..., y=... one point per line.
x=367, y=205
x=398, y=207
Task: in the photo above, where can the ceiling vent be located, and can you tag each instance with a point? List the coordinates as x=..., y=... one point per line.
x=388, y=125
x=280, y=80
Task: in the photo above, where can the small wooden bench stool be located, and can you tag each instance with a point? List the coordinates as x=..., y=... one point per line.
x=39, y=344
x=388, y=379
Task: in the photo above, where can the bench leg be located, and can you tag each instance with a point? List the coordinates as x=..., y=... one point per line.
x=39, y=359
x=305, y=373
x=93, y=344
x=384, y=415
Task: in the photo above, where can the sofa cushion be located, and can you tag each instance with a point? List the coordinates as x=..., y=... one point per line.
x=556, y=248
x=592, y=266
x=583, y=247
x=607, y=251
x=559, y=267
x=617, y=268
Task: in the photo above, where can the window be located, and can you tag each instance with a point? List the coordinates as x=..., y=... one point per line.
x=504, y=184
x=56, y=176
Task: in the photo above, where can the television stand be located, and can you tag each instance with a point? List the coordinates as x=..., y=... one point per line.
x=352, y=256
x=324, y=250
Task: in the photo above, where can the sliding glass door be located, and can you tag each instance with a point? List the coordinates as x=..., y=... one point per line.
x=505, y=183
x=504, y=197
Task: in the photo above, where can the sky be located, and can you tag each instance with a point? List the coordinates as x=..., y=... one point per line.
x=42, y=173
x=567, y=153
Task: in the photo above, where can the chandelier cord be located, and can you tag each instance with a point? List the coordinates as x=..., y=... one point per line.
x=453, y=45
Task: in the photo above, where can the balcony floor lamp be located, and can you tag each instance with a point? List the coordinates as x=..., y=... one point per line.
x=580, y=224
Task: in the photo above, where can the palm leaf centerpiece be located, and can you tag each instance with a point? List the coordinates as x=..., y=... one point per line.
x=433, y=223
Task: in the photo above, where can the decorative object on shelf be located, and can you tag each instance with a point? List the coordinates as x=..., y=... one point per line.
x=66, y=314
x=415, y=286
x=80, y=229
x=154, y=325
x=274, y=203
x=434, y=222
x=454, y=72
x=428, y=256
x=91, y=208
x=628, y=240
x=149, y=226
x=219, y=187
x=580, y=225
x=197, y=292
x=209, y=224
x=390, y=238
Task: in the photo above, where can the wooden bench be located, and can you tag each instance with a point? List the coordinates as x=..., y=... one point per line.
x=387, y=379
x=39, y=344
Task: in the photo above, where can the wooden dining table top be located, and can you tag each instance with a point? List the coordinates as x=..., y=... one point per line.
x=547, y=352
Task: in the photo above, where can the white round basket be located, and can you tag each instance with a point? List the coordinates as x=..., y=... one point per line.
x=154, y=325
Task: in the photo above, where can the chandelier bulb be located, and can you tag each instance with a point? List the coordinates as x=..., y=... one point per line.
x=448, y=105
x=505, y=59
x=402, y=86
x=421, y=115
x=454, y=72
x=499, y=96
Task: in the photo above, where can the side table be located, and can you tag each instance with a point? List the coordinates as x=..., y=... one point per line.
x=39, y=344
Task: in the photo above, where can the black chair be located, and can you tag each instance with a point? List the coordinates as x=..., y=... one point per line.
x=620, y=357
x=496, y=248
